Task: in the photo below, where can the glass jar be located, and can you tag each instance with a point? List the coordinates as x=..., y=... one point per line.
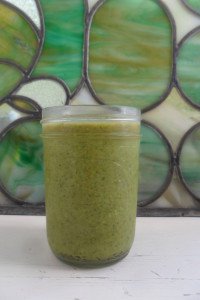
x=91, y=156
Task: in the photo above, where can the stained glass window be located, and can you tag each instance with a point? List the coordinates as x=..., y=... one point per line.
x=136, y=52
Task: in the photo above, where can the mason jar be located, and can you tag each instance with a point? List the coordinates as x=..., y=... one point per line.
x=91, y=156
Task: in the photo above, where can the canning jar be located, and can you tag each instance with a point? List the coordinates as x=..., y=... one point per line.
x=91, y=156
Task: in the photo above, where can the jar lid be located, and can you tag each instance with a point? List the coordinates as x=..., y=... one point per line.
x=90, y=113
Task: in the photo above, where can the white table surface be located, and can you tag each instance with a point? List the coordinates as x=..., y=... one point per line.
x=164, y=263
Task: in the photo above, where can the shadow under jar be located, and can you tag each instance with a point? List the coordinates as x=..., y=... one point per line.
x=91, y=156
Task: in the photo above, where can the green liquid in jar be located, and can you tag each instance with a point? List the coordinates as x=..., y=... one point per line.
x=91, y=171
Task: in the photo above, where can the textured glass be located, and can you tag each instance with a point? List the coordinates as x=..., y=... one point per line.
x=130, y=63
x=23, y=104
x=10, y=77
x=194, y=4
x=29, y=7
x=154, y=164
x=83, y=98
x=188, y=64
x=8, y=115
x=18, y=39
x=62, y=54
x=190, y=162
x=181, y=13
x=21, y=163
x=175, y=197
x=174, y=117
x=130, y=58
x=45, y=92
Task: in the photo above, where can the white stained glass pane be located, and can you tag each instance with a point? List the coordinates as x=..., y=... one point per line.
x=83, y=98
x=45, y=92
x=8, y=115
x=181, y=14
x=30, y=8
x=91, y=3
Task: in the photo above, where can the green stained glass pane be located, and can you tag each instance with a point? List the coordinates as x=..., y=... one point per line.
x=10, y=77
x=62, y=54
x=190, y=162
x=18, y=40
x=193, y=4
x=130, y=57
x=25, y=105
x=173, y=117
x=155, y=160
x=21, y=163
x=188, y=64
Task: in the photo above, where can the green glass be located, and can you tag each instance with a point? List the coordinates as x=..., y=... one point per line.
x=21, y=163
x=154, y=164
x=62, y=54
x=130, y=57
x=23, y=104
x=10, y=77
x=18, y=39
x=194, y=4
x=188, y=64
x=190, y=162
x=173, y=117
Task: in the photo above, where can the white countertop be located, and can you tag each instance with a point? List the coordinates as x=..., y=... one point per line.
x=164, y=263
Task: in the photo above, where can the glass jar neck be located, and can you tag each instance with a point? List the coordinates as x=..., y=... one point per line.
x=91, y=113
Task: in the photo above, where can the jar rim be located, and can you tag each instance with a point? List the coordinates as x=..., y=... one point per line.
x=90, y=113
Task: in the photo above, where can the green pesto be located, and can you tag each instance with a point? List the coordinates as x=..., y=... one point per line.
x=10, y=77
x=18, y=39
x=194, y=4
x=62, y=54
x=154, y=164
x=91, y=189
x=21, y=163
x=190, y=162
x=130, y=57
x=188, y=64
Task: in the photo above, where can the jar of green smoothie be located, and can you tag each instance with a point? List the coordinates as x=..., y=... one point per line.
x=91, y=156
